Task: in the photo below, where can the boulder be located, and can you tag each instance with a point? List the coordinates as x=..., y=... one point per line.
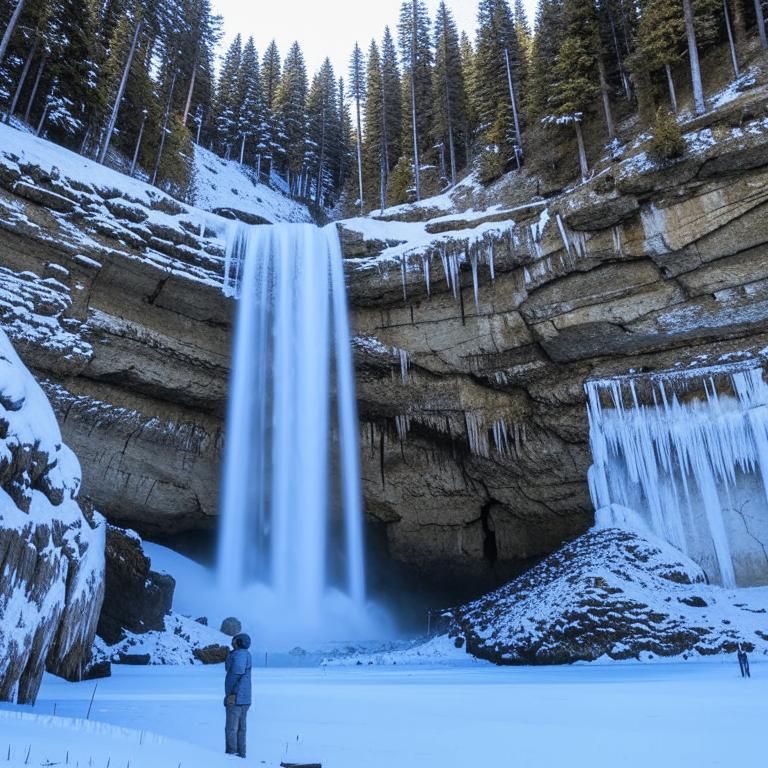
x=137, y=599
x=211, y=654
x=231, y=626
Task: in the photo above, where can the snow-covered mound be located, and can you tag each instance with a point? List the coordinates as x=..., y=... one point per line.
x=225, y=186
x=52, y=551
x=612, y=593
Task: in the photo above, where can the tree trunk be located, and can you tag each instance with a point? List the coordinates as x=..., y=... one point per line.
x=693, y=52
x=731, y=41
x=164, y=133
x=9, y=29
x=120, y=92
x=760, y=23
x=384, y=150
x=449, y=115
x=416, y=159
x=138, y=146
x=359, y=148
x=191, y=90
x=583, y=165
x=515, y=116
x=321, y=160
x=35, y=86
x=22, y=80
x=739, y=21
x=43, y=117
x=242, y=149
x=604, y=90
x=671, y=86
x=619, y=60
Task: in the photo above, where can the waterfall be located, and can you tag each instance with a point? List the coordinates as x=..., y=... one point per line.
x=690, y=470
x=291, y=494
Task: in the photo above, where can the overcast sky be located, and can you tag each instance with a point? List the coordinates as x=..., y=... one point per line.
x=326, y=27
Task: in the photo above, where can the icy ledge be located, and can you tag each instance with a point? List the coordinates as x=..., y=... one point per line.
x=51, y=547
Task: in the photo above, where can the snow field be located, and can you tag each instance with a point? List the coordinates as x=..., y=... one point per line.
x=603, y=716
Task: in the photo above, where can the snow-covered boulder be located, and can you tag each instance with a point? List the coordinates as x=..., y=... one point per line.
x=51, y=546
x=611, y=593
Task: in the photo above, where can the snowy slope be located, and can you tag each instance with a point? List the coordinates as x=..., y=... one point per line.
x=225, y=184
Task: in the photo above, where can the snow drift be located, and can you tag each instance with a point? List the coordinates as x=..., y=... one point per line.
x=51, y=547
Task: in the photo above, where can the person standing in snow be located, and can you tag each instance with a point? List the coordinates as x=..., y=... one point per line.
x=743, y=661
x=237, y=694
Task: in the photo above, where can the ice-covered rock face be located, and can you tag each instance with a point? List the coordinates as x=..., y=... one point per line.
x=51, y=548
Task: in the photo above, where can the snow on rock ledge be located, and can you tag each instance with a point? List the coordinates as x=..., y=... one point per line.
x=51, y=548
x=611, y=593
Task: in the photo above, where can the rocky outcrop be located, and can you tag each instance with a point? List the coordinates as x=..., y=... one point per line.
x=136, y=599
x=115, y=302
x=610, y=593
x=476, y=338
x=51, y=547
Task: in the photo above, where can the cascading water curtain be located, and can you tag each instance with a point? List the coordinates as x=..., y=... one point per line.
x=292, y=359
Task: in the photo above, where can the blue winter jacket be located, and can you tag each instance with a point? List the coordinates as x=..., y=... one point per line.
x=238, y=666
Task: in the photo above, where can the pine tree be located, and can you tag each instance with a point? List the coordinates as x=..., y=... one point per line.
x=322, y=133
x=271, y=73
x=344, y=159
x=375, y=161
x=550, y=30
x=357, y=93
x=576, y=71
x=228, y=91
x=468, y=68
x=392, y=101
x=291, y=108
x=658, y=42
x=250, y=113
x=497, y=78
x=450, y=100
x=416, y=56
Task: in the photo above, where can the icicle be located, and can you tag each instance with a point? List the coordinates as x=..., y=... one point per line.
x=491, y=264
x=402, y=425
x=473, y=262
x=425, y=270
x=617, y=247
x=563, y=234
x=402, y=272
x=500, y=437
x=477, y=435
x=405, y=363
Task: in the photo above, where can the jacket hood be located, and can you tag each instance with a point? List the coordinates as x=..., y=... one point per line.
x=243, y=640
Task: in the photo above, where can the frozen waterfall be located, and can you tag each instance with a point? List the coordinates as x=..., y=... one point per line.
x=291, y=531
x=686, y=458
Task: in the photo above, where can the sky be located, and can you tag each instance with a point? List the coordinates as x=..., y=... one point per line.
x=326, y=27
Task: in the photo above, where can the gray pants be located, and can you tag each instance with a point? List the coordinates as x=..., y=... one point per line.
x=235, y=729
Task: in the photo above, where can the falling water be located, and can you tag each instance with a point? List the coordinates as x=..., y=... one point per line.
x=284, y=477
x=694, y=473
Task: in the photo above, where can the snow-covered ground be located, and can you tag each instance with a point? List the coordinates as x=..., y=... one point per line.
x=628, y=715
x=219, y=183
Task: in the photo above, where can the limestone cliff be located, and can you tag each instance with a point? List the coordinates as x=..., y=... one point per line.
x=479, y=317
x=477, y=332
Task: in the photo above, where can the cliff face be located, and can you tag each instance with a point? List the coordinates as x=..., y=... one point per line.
x=479, y=330
x=111, y=292
x=475, y=334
